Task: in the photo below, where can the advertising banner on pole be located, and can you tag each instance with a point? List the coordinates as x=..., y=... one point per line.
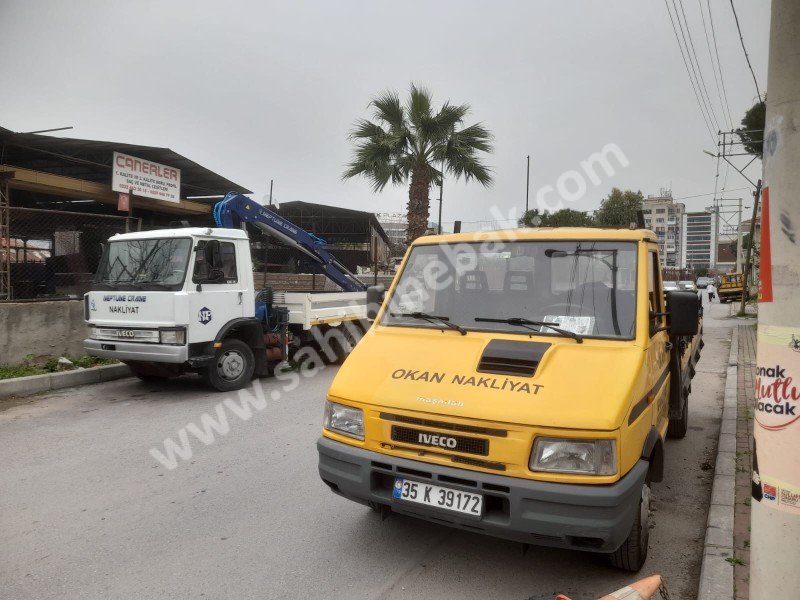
x=145, y=178
x=777, y=418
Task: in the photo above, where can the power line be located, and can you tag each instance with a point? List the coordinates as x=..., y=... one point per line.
x=691, y=80
x=714, y=66
x=714, y=193
x=719, y=62
x=699, y=72
x=747, y=57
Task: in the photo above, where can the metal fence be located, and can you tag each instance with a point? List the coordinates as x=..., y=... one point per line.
x=50, y=254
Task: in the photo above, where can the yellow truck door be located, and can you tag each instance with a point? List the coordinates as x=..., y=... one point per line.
x=657, y=359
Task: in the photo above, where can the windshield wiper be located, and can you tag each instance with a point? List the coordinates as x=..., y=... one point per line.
x=520, y=322
x=432, y=319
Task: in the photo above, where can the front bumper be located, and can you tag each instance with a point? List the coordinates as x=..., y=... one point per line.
x=596, y=518
x=125, y=351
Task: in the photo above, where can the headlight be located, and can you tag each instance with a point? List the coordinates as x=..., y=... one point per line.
x=175, y=337
x=344, y=419
x=93, y=333
x=589, y=457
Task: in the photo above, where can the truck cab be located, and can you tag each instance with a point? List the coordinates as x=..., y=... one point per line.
x=165, y=301
x=519, y=384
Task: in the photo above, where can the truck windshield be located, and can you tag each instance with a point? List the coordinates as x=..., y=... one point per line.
x=155, y=264
x=584, y=287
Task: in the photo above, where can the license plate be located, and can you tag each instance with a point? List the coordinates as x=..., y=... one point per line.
x=437, y=496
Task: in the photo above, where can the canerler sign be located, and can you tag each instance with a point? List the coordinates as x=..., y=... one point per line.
x=142, y=177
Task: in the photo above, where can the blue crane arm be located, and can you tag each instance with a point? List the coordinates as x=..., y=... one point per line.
x=235, y=209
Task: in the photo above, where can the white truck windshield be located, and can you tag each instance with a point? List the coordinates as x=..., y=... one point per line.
x=154, y=264
x=584, y=287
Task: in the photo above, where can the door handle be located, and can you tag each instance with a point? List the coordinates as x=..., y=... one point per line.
x=240, y=297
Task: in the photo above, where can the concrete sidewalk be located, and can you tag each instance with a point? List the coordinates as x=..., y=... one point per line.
x=744, y=439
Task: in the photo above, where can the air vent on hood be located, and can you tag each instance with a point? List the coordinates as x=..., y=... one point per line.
x=507, y=357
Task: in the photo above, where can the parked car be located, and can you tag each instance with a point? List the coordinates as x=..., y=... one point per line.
x=687, y=285
x=703, y=282
x=671, y=286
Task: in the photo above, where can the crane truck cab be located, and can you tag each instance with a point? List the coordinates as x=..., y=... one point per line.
x=519, y=384
x=171, y=301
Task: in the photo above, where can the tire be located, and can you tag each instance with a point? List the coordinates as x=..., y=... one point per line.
x=232, y=367
x=633, y=552
x=677, y=428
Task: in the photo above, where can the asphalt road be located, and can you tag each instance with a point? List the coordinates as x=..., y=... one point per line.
x=87, y=512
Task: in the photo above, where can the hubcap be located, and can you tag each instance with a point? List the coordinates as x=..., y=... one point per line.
x=230, y=365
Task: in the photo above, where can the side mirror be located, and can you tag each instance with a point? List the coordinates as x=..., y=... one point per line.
x=683, y=310
x=375, y=296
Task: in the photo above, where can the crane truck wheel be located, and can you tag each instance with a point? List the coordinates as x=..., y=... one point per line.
x=232, y=367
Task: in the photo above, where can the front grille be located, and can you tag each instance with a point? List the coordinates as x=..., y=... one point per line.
x=457, y=443
x=479, y=463
x=444, y=425
x=126, y=335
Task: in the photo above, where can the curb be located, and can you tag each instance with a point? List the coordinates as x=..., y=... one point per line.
x=716, y=573
x=32, y=384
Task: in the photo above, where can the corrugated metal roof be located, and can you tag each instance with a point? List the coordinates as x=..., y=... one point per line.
x=90, y=160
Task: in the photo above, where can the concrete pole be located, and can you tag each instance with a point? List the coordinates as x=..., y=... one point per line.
x=739, y=240
x=775, y=507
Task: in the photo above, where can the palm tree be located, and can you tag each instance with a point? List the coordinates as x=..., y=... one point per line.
x=408, y=142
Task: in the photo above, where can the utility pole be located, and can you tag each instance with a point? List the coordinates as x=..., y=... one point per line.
x=527, y=185
x=270, y=192
x=739, y=240
x=747, y=262
x=775, y=506
x=441, y=192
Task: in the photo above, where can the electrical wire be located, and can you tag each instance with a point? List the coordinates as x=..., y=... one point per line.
x=719, y=62
x=713, y=66
x=747, y=56
x=698, y=73
x=688, y=72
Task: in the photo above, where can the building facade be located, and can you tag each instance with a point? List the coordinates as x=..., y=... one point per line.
x=698, y=243
x=665, y=217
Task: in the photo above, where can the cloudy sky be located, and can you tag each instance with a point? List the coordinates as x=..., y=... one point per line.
x=268, y=90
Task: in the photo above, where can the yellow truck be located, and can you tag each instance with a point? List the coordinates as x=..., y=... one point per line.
x=731, y=287
x=519, y=384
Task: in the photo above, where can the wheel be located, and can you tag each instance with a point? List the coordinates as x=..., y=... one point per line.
x=677, y=428
x=232, y=367
x=633, y=552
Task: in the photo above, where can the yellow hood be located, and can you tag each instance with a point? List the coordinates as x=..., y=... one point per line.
x=585, y=386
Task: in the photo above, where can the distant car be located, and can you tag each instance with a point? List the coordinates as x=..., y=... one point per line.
x=703, y=282
x=671, y=286
x=687, y=285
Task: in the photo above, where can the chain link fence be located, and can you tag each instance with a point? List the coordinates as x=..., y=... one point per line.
x=52, y=254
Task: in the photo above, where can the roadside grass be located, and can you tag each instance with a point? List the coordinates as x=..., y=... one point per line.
x=41, y=365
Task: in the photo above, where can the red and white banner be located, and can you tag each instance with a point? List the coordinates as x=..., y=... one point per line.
x=145, y=178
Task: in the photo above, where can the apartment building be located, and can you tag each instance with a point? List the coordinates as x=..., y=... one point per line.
x=699, y=234
x=666, y=218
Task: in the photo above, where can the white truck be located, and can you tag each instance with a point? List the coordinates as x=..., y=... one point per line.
x=171, y=301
